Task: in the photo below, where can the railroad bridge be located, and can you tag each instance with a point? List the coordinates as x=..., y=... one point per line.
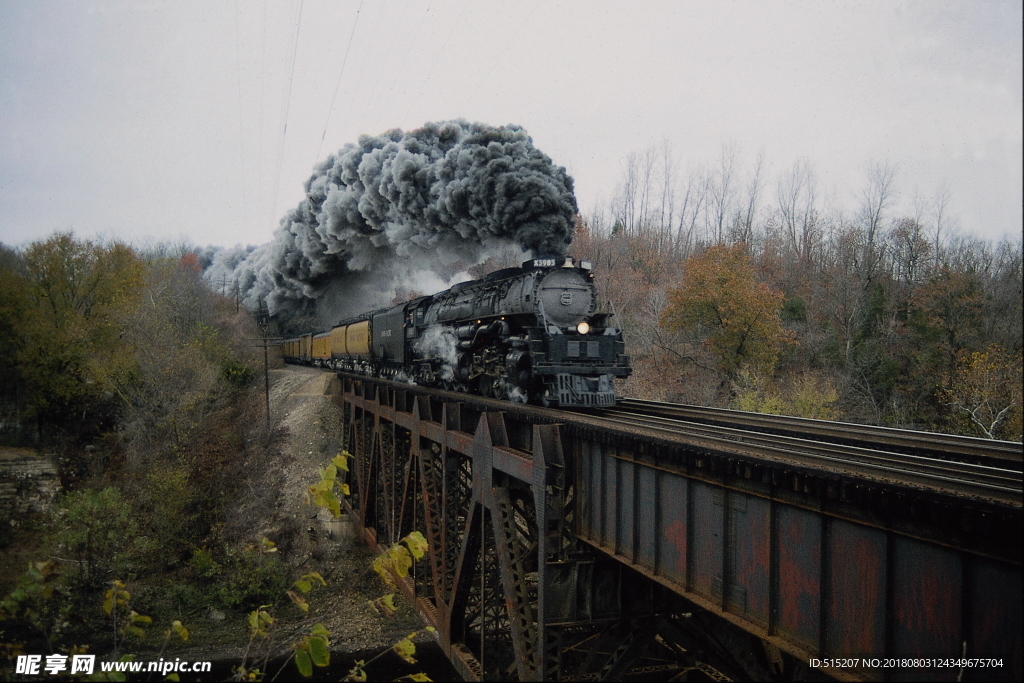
x=662, y=542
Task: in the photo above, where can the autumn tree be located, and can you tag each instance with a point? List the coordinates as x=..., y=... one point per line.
x=724, y=306
x=73, y=294
x=986, y=391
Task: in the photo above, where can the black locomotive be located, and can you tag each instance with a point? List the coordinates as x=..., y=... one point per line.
x=530, y=334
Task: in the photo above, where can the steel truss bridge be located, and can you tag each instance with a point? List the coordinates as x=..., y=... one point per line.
x=662, y=542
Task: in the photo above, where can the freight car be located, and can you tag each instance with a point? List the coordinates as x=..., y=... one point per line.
x=529, y=334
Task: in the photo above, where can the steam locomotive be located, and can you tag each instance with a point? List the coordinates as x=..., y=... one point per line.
x=530, y=334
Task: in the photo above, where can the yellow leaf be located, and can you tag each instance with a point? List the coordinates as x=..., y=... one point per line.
x=179, y=629
x=405, y=649
x=417, y=544
x=341, y=461
x=401, y=560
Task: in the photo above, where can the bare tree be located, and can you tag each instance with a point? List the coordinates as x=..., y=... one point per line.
x=721, y=190
x=744, y=228
x=876, y=199
x=796, y=193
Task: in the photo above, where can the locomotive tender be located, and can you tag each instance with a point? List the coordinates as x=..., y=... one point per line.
x=530, y=334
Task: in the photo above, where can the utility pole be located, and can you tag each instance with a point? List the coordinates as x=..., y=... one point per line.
x=263, y=322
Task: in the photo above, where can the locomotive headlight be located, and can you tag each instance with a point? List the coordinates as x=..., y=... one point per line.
x=583, y=327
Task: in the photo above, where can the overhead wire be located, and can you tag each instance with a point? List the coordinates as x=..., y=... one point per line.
x=437, y=58
x=501, y=56
x=241, y=131
x=262, y=209
x=338, y=84
x=383, y=62
x=288, y=102
x=399, y=71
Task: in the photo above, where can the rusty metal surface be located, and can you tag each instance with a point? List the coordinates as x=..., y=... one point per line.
x=565, y=551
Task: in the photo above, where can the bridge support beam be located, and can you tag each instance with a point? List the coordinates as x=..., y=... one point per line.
x=513, y=594
x=561, y=552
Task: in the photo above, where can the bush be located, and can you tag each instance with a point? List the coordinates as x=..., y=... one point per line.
x=237, y=373
x=98, y=530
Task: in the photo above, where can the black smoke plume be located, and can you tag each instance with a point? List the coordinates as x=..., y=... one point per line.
x=397, y=210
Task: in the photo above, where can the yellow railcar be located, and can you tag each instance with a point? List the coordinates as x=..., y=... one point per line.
x=321, y=347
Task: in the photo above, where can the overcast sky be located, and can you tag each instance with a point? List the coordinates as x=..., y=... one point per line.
x=155, y=121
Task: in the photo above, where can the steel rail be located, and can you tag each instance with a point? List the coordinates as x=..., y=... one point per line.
x=966, y=478
x=822, y=455
x=996, y=453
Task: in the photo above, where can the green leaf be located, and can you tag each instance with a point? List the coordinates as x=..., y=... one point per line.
x=172, y=677
x=328, y=500
x=419, y=677
x=303, y=663
x=318, y=651
x=320, y=630
x=304, y=585
x=341, y=461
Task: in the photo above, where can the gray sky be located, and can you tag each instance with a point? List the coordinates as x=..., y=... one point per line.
x=156, y=121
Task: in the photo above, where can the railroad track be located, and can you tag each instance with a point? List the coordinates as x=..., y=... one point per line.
x=999, y=454
x=942, y=463
x=957, y=465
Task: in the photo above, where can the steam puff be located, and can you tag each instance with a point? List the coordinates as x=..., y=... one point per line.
x=391, y=208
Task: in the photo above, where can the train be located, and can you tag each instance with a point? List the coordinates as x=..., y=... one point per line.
x=529, y=334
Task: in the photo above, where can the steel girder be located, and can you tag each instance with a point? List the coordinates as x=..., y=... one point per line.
x=511, y=591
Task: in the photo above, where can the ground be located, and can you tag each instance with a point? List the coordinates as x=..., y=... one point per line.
x=270, y=502
x=273, y=505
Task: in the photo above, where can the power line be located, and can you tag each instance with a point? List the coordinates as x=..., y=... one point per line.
x=241, y=130
x=400, y=71
x=287, y=109
x=387, y=55
x=438, y=57
x=338, y=84
x=502, y=55
x=261, y=213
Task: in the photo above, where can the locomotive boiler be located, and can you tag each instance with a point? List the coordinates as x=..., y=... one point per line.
x=528, y=334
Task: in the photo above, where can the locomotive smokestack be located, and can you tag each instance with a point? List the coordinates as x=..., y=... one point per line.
x=400, y=205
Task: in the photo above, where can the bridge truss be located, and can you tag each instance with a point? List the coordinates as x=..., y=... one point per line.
x=560, y=550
